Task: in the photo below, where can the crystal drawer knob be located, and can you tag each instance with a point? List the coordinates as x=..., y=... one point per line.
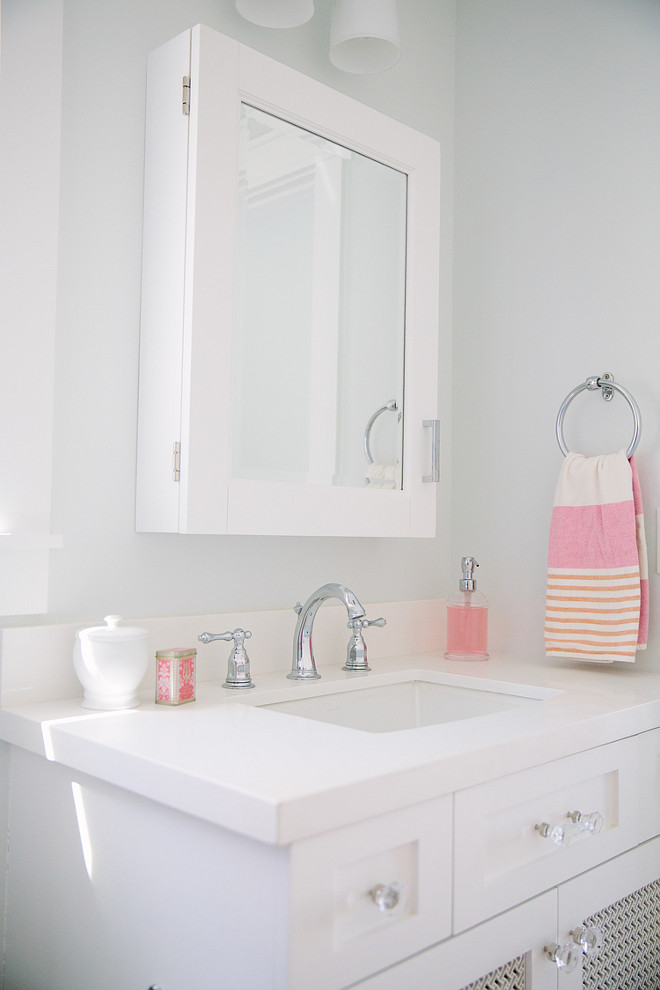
x=591, y=822
x=563, y=833
x=589, y=938
x=565, y=957
x=390, y=898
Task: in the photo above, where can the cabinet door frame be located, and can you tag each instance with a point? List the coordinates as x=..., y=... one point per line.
x=597, y=889
x=188, y=300
x=649, y=784
x=453, y=965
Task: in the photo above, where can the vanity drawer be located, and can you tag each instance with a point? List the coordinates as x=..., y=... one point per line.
x=338, y=934
x=501, y=858
x=649, y=784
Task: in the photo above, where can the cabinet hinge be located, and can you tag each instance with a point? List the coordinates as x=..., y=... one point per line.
x=176, y=461
x=185, y=95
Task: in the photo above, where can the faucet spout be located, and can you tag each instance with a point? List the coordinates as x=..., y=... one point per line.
x=304, y=665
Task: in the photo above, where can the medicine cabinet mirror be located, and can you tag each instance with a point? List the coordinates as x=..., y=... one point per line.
x=288, y=347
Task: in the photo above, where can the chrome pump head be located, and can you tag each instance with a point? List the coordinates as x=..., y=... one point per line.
x=467, y=582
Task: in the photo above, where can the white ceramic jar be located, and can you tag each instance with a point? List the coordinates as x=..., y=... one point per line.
x=110, y=662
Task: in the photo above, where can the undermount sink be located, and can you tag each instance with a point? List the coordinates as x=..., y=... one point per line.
x=411, y=701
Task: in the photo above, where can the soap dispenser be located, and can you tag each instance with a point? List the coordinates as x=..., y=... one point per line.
x=467, y=618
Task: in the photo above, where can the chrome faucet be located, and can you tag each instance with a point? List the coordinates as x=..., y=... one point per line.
x=238, y=665
x=304, y=667
x=356, y=652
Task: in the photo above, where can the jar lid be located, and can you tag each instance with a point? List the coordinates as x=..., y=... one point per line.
x=176, y=652
x=112, y=631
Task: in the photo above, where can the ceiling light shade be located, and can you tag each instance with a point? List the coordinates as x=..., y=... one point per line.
x=364, y=35
x=276, y=13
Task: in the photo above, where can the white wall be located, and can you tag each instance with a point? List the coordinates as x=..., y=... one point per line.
x=30, y=89
x=557, y=241
x=104, y=565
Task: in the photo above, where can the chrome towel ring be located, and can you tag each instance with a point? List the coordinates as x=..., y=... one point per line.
x=609, y=387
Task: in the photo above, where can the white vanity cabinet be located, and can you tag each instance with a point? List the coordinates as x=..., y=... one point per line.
x=187, y=476
x=110, y=889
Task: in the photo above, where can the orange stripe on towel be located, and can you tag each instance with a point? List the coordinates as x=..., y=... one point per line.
x=592, y=635
x=593, y=611
x=619, y=598
x=592, y=616
x=585, y=587
x=598, y=622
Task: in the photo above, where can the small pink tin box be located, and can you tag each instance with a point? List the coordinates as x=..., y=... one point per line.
x=175, y=676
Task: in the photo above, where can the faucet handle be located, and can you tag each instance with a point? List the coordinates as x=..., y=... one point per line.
x=238, y=665
x=364, y=622
x=238, y=635
x=356, y=653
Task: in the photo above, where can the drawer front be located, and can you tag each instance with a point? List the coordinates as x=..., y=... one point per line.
x=502, y=858
x=649, y=789
x=338, y=931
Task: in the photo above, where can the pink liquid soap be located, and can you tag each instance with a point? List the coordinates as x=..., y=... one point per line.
x=467, y=632
x=467, y=618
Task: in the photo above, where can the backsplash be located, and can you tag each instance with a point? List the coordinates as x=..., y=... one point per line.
x=36, y=661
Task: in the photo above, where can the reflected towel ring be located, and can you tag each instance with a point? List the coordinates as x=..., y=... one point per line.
x=609, y=386
x=390, y=406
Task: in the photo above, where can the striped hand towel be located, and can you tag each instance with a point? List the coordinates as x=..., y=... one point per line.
x=597, y=590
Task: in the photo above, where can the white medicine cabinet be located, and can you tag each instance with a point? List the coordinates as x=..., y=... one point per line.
x=289, y=332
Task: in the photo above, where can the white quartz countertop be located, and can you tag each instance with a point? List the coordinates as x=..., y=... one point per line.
x=278, y=778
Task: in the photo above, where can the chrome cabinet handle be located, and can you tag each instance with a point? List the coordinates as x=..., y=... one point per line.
x=434, y=424
x=390, y=898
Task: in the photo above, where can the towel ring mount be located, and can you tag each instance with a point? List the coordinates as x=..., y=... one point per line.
x=608, y=387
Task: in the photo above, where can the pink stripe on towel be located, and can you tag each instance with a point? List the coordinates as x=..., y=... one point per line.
x=593, y=536
x=643, y=559
x=597, y=593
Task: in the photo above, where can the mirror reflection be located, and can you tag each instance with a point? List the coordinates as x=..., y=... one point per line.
x=319, y=342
